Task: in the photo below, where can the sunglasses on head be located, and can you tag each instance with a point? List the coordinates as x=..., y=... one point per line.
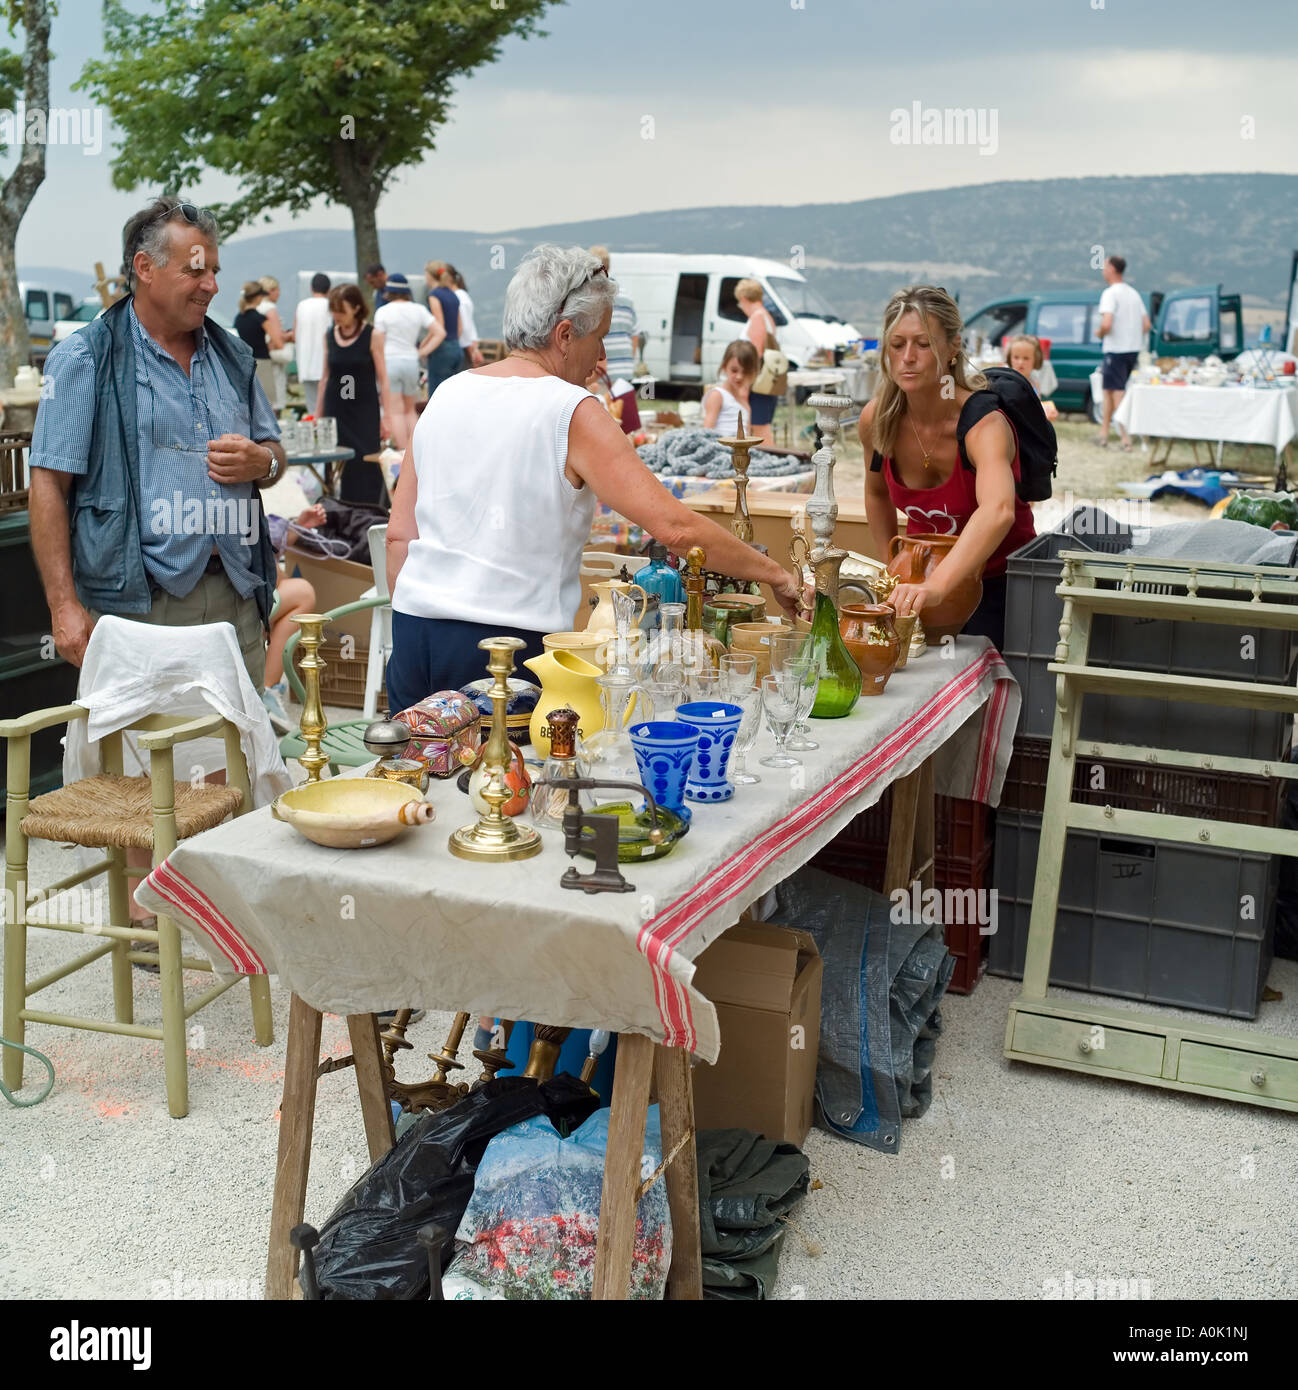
x=190, y=212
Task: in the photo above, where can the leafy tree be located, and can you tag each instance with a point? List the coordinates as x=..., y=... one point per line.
x=29, y=73
x=297, y=99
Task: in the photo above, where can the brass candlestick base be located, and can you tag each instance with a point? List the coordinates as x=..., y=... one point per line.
x=496, y=837
x=495, y=1059
x=313, y=723
x=543, y=1055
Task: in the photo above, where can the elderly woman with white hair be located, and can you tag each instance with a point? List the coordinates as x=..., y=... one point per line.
x=496, y=496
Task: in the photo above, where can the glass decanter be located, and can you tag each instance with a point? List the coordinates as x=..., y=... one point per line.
x=840, y=677
x=548, y=802
x=609, y=754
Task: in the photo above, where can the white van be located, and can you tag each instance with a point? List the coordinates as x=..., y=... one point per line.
x=686, y=307
x=43, y=307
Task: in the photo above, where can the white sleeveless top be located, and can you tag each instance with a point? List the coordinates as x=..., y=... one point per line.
x=731, y=410
x=501, y=530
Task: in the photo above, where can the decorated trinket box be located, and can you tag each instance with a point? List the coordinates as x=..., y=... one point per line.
x=444, y=731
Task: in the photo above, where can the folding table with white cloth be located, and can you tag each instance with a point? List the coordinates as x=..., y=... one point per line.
x=352, y=932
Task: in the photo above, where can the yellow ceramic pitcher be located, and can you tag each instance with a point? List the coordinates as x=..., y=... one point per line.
x=565, y=679
x=601, y=616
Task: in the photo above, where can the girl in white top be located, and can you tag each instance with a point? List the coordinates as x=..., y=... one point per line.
x=727, y=403
x=495, y=498
x=409, y=332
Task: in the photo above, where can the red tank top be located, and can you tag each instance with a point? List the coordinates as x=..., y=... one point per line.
x=947, y=509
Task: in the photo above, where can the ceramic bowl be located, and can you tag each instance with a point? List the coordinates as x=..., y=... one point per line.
x=351, y=812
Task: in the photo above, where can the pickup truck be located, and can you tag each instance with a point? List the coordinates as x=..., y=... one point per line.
x=1195, y=322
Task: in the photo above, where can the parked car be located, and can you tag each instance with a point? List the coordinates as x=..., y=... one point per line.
x=90, y=309
x=1195, y=322
x=686, y=307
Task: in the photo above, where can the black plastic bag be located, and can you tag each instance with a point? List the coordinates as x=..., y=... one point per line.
x=368, y=1248
x=351, y=522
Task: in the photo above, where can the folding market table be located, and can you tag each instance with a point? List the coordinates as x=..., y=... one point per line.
x=355, y=932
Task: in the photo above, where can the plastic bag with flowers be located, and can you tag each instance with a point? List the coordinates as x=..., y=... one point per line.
x=530, y=1228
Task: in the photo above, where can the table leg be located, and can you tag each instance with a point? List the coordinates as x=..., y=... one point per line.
x=296, y=1122
x=363, y=1029
x=622, y=1165
x=901, y=832
x=675, y=1086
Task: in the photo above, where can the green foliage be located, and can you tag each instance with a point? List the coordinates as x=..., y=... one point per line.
x=11, y=84
x=296, y=98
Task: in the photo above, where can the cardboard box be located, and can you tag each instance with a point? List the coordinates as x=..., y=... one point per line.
x=765, y=983
x=336, y=582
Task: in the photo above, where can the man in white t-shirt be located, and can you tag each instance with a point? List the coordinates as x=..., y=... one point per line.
x=410, y=332
x=310, y=324
x=1123, y=325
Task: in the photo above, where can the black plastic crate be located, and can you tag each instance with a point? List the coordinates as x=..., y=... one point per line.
x=1151, y=920
x=1209, y=650
x=1131, y=786
x=27, y=684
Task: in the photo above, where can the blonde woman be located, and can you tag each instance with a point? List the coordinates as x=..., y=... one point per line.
x=908, y=431
x=281, y=353
x=761, y=333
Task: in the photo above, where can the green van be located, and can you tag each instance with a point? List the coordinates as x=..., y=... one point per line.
x=1187, y=323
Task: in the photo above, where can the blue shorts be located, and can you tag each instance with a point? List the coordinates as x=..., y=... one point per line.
x=1116, y=368
x=431, y=654
x=763, y=407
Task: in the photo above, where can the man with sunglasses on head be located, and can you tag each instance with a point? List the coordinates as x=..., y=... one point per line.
x=151, y=444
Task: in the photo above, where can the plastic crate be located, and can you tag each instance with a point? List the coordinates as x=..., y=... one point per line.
x=1141, y=787
x=342, y=682
x=1032, y=614
x=28, y=683
x=13, y=470
x=960, y=828
x=1151, y=920
x=865, y=864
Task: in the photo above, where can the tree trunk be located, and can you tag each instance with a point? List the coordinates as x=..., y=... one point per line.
x=365, y=229
x=20, y=188
x=355, y=168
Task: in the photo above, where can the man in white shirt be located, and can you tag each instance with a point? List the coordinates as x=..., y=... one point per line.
x=310, y=324
x=410, y=332
x=1123, y=325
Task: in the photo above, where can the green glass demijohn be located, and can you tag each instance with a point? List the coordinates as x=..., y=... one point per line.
x=840, y=677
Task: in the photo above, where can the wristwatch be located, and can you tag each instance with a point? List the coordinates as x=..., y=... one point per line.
x=274, y=466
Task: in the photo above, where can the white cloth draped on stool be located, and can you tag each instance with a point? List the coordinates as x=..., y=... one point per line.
x=133, y=669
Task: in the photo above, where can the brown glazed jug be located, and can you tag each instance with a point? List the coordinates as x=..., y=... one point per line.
x=869, y=633
x=913, y=559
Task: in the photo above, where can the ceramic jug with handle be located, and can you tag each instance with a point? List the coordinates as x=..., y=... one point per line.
x=913, y=559
x=565, y=679
x=602, y=617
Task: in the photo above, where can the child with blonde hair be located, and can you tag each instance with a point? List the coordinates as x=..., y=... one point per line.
x=1026, y=356
x=728, y=401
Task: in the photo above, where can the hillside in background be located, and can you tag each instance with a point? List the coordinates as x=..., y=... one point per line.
x=982, y=241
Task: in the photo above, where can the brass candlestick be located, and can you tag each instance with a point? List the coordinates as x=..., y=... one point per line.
x=312, y=724
x=694, y=560
x=740, y=446
x=544, y=1052
x=445, y=1059
x=494, y=1059
x=495, y=836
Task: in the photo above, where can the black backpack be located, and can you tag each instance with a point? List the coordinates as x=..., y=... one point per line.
x=1014, y=394
x=1011, y=392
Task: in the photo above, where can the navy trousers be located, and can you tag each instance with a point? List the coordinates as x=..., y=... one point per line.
x=431, y=654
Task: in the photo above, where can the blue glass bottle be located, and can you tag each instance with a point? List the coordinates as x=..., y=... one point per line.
x=658, y=577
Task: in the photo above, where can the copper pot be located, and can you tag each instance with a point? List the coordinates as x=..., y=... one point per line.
x=870, y=635
x=913, y=559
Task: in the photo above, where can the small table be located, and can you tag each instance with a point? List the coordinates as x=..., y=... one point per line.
x=506, y=940
x=326, y=464
x=1215, y=414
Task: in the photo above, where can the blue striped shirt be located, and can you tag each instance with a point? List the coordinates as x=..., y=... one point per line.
x=183, y=513
x=618, y=345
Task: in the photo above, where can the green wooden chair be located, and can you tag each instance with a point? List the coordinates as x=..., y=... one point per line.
x=116, y=813
x=342, y=741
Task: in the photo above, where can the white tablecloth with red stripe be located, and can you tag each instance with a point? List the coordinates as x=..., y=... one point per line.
x=352, y=931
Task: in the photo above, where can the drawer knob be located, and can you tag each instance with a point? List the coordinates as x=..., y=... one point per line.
x=1258, y=1078
x=1084, y=1045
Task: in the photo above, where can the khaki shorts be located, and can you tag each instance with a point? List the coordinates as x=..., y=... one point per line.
x=213, y=600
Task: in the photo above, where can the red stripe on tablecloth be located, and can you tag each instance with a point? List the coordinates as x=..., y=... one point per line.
x=989, y=747
x=662, y=934
x=193, y=903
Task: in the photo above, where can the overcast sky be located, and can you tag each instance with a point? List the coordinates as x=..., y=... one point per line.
x=782, y=101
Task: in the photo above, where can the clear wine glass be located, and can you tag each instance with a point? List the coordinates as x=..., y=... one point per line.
x=745, y=736
x=705, y=682
x=780, y=705
x=661, y=697
x=807, y=674
x=738, y=675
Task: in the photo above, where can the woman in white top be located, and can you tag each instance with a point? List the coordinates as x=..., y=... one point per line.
x=409, y=332
x=727, y=403
x=279, y=341
x=761, y=333
x=468, y=328
x=498, y=488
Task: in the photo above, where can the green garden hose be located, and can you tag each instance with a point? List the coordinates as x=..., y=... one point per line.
x=43, y=1060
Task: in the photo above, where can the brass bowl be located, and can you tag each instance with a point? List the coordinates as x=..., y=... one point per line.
x=352, y=812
